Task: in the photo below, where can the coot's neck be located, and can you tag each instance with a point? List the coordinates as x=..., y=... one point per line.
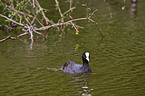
x=85, y=62
x=86, y=66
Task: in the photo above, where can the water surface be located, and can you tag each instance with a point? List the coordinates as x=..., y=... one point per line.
x=117, y=59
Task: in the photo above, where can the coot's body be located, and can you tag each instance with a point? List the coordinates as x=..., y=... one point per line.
x=72, y=67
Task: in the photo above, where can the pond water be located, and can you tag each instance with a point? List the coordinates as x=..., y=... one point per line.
x=117, y=60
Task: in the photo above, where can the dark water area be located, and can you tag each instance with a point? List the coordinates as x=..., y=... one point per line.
x=117, y=60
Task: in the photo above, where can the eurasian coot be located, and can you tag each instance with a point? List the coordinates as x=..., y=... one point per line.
x=72, y=67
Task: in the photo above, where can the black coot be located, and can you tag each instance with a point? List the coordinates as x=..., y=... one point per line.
x=72, y=67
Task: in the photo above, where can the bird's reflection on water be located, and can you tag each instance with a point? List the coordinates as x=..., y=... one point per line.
x=81, y=81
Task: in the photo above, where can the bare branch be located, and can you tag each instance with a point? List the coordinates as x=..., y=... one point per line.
x=22, y=34
x=7, y=38
x=23, y=13
x=74, y=27
x=57, y=24
x=12, y=20
x=69, y=10
x=46, y=19
x=34, y=22
x=57, y=5
x=93, y=13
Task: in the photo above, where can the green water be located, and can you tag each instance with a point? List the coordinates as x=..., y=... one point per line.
x=117, y=60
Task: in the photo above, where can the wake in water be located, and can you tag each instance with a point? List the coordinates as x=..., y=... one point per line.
x=54, y=69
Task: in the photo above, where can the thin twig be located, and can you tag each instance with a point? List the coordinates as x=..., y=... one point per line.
x=23, y=13
x=93, y=13
x=12, y=20
x=74, y=27
x=22, y=34
x=57, y=24
x=46, y=19
x=7, y=38
x=57, y=5
x=69, y=10
x=102, y=36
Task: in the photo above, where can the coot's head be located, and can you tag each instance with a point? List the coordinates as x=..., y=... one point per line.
x=86, y=57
